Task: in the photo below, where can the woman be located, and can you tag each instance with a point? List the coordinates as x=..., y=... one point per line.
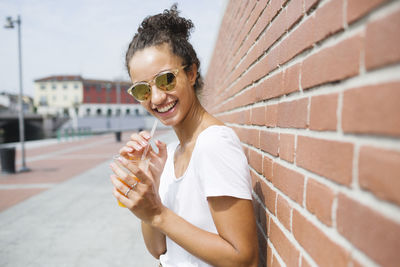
x=195, y=199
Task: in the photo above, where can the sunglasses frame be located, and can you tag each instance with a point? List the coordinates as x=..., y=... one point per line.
x=153, y=82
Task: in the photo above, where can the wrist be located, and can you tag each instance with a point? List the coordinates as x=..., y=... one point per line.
x=159, y=219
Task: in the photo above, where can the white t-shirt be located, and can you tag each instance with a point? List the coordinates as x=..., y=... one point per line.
x=218, y=167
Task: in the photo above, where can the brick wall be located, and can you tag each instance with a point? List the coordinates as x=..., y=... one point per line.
x=312, y=88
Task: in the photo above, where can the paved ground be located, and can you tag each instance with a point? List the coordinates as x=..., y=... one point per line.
x=62, y=213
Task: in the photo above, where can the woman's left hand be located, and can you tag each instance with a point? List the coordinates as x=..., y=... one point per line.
x=142, y=197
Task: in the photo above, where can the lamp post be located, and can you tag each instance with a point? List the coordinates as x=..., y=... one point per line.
x=10, y=25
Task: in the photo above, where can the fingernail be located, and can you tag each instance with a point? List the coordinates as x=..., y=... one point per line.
x=147, y=135
x=143, y=143
x=122, y=159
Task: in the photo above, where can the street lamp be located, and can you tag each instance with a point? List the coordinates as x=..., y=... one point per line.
x=10, y=25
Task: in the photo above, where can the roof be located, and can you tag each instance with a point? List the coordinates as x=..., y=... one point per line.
x=60, y=78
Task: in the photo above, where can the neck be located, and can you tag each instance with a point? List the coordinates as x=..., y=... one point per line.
x=193, y=123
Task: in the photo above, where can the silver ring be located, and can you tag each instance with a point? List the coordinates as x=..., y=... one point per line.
x=133, y=186
x=127, y=192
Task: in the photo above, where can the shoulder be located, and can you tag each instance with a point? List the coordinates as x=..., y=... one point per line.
x=217, y=136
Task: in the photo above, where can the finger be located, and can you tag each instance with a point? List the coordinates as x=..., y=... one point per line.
x=139, y=138
x=121, y=198
x=136, y=170
x=120, y=186
x=145, y=134
x=124, y=177
x=162, y=149
x=136, y=145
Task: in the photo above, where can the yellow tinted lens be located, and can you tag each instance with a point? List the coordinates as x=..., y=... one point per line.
x=141, y=92
x=166, y=81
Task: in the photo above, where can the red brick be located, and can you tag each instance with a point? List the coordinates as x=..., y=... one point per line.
x=271, y=87
x=332, y=63
x=247, y=116
x=289, y=254
x=308, y=4
x=258, y=115
x=283, y=212
x=291, y=82
x=305, y=263
x=372, y=109
x=328, y=19
x=259, y=211
x=255, y=160
x=267, y=168
x=332, y=159
x=358, y=8
x=271, y=116
x=382, y=41
x=251, y=137
x=276, y=29
x=374, y=234
x=269, y=142
x=323, y=112
x=293, y=114
x=294, y=12
x=262, y=247
x=379, y=171
x=298, y=40
x=289, y=182
x=319, y=200
x=275, y=262
x=265, y=193
x=321, y=248
x=273, y=58
x=286, y=147
x=269, y=255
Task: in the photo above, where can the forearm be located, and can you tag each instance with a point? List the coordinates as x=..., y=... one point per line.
x=207, y=246
x=154, y=240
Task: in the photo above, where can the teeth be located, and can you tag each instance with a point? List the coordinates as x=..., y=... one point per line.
x=166, y=108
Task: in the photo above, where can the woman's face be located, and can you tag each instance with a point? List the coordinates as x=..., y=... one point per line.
x=170, y=107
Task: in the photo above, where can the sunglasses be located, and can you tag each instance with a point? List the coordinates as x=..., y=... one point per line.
x=165, y=81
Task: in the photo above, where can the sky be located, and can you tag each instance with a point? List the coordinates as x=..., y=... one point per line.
x=89, y=37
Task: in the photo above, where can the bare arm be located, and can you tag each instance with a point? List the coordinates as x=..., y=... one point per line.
x=154, y=240
x=236, y=241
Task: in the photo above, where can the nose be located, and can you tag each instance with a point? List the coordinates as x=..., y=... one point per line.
x=157, y=96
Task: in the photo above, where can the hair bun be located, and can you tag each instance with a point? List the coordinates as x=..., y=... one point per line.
x=168, y=22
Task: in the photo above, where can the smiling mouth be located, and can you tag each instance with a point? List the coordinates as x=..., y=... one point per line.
x=166, y=108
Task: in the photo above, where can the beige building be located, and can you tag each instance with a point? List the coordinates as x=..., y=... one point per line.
x=58, y=94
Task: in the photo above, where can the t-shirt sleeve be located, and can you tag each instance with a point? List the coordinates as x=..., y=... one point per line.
x=222, y=165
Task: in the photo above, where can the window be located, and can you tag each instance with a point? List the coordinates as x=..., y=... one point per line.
x=54, y=87
x=43, y=87
x=54, y=97
x=128, y=111
x=88, y=99
x=98, y=87
x=76, y=86
x=43, y=100
x=87, y=88
x=65, y=86
x=65, y=97
x=76, y=99
x=88, y=112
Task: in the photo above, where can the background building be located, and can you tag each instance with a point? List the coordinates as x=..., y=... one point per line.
x=75, y=96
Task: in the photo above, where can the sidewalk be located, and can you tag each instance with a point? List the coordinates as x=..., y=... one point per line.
x=69, y=217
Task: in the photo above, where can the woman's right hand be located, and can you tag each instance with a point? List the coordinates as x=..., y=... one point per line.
x=135, y=148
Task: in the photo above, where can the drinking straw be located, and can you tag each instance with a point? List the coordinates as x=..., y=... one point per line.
x=151, y=136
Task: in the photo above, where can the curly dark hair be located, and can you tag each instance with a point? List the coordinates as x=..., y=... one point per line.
x=167, y=27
